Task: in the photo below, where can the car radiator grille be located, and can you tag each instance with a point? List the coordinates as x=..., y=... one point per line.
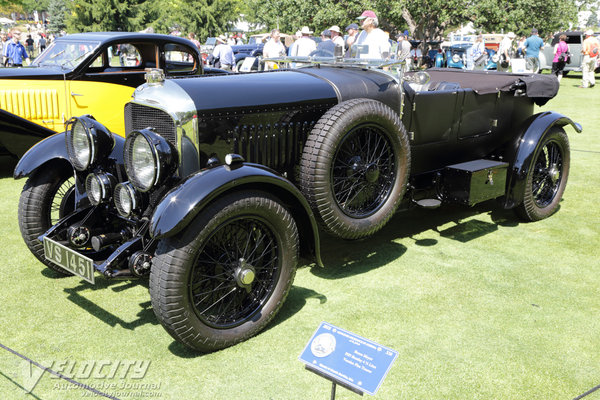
x=278, y=146
x=138, y=117
x=31, y=104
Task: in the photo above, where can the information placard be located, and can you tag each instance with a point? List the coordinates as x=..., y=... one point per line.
x=348, y=358
x=247, y=64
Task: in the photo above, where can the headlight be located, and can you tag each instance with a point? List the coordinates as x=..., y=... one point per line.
x=455, y=58
x=126, y=199
x=149, y=159
x=99, y=187
x=87, y=142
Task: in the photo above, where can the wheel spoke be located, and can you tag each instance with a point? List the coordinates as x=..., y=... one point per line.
x=547, y=174
x=219, y=298
x=362, y=172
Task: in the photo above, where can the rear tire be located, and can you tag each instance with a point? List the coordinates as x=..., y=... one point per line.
x=48, y=195
x=226, y=275
x=547, y=177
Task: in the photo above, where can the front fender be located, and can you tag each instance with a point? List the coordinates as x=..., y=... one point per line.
x=51, y=148
x=523, y=150
x=183, y=203
x=54, y=148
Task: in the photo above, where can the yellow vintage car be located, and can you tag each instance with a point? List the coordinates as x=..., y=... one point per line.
x=87, y=73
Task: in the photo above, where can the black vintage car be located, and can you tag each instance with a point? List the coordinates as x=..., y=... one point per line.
x=224, y=181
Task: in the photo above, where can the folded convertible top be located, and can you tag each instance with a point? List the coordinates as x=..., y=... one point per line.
x=540, y=88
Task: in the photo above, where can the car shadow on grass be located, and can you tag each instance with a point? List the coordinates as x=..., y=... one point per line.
x=144, y=316
x=345, y=258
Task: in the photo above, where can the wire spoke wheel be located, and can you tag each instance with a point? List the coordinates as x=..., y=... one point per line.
x=547, y=177
x=63, y=201
x=226, y=275
x=235, y=273
x=363, y=172
x=547, y=174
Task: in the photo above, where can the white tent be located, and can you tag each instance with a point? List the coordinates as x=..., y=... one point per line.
x=6, y=21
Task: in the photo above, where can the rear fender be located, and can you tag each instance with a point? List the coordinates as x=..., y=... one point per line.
x=183, y=203
x=523, y=149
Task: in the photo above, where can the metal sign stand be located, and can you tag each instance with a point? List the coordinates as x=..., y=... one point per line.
x=334, y=382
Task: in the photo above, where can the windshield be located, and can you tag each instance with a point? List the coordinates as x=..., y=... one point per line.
x=392, y=66
x=64, y=53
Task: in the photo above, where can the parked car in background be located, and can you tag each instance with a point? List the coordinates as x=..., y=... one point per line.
x=460, y=56
x=241, y=52
x=575, y=42
x=224, y=181
x=207, y=48
x=82, y=74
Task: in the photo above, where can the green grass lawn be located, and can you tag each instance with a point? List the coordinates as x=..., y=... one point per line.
x=478, y=305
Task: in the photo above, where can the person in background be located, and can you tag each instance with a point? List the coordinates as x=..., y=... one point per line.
x=521, y=47
x=223, y=55
x=532, y=46
x=590, y=51
x=337, y=39
x=3, y=44
x=561, y=50
x=404, y=50
x=273, y=48
x=304, y=45
x=326, y=47
x=478, y=54
x=43, y=42
x=238, y=39
x=505, y=51
x=29, y=42
x=416, y=56
x=352, y=30
x=292, y=49
x=15, y=52
x=372, y=38
x=192, y=38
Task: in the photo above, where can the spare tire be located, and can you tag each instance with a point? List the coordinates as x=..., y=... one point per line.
x=355, y=167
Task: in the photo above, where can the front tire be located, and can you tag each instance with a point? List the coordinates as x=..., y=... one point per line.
x=226, y=275
x=48, y=195
x=355, y=166
x=547, y=177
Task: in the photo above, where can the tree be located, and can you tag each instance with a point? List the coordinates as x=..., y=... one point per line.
x=427, y=19
x=105, y=15
x=57, y=15
x=592, y=21
x=522, y=15
x=291, y=15
x=35, y=5
x=203, y=17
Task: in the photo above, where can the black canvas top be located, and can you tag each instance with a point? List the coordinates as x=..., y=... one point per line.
x=540, y=88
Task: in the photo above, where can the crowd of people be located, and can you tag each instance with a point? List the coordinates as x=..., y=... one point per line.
x=17, y=50
x=366, y=41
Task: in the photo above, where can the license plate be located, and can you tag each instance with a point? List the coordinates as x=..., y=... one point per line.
x=69, y=259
